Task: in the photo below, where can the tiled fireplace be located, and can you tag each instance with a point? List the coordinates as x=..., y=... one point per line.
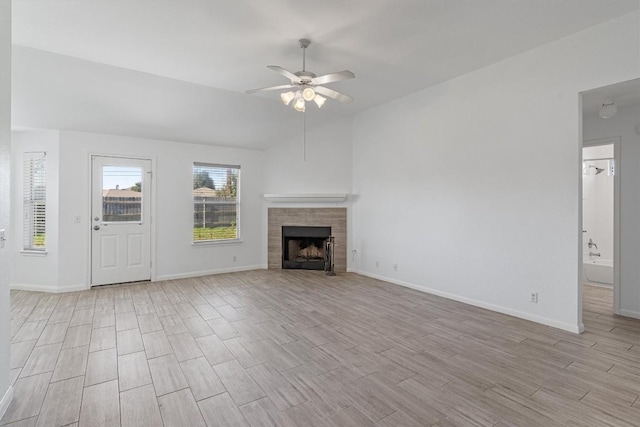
x=314, y=219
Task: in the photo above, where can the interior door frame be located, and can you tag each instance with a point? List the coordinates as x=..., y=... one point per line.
x=152, y=205
x=616, y=142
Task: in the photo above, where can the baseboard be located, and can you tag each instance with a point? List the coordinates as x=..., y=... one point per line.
x=598, y=284
x=209, y=272
x=6, y=400
x=45, y=288
x=74, y=288
x=629, y=313
x=576, y=329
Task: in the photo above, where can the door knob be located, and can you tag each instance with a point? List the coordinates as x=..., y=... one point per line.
x=96, y=227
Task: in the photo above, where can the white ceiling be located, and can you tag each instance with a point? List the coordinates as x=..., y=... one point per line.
x=178, y=69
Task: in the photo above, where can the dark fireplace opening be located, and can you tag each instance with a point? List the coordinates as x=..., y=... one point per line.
x=303, y=247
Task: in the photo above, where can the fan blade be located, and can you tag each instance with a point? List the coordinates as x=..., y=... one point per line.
x=287, y=74
x=333, y=77
x=333, y=94
x=267, y=89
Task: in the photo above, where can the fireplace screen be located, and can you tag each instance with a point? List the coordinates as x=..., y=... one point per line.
x=303, y=247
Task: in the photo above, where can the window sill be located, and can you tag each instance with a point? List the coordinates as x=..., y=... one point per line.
x=28, y=252
x=216, y=242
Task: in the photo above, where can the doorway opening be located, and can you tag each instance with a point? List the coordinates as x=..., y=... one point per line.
x=600, y=213
x=610, y=205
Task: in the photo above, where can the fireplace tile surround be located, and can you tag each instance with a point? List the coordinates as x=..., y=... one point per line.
x=336, y=218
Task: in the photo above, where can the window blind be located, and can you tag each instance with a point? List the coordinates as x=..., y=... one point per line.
x=35, y=203
x=216, y=202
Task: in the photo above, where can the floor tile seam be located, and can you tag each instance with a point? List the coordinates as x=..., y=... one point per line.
x=39, y=335
x=213, y=395
x=43, y=397
x=54, y=366
x=128, y=329
x=164, y=394
x=101, y=382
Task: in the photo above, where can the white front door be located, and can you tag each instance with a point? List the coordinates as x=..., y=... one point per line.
x=120, y=220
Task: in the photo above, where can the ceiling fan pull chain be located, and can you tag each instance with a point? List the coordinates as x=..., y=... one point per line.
x=304, y=136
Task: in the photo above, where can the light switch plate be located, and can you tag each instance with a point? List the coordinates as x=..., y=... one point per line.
x=3, y=238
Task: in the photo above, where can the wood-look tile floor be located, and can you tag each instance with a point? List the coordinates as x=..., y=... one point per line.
x=297, y=348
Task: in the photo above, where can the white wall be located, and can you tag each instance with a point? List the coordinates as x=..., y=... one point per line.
x=326, y=169
x=35, y=271
x=623, y=125
x=473, y=186
x=5, y=187
x=175, y=255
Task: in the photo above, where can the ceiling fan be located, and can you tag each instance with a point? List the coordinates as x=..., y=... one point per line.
x=308, y=86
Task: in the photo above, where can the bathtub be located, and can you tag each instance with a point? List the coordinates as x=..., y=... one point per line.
x=599, y=271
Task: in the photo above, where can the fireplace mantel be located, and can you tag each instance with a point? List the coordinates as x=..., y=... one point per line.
x=306, y=198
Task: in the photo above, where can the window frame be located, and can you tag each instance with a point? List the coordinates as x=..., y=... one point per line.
x=237, y=203
x=31, y=161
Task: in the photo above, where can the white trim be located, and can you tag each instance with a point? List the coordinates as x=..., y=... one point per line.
x=46, y=288
x=6, y=401
x=576, y=329
x=28, y=252
x=210, y=272
x=306, y=198
x=630, y=313
x=202, y=243
x=153, y=217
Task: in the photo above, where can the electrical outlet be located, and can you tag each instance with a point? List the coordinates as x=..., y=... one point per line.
x=76, y=219
x=395, y=267
x=533, y=297
x=3, y=238
x=377, y=264
x=235, y=258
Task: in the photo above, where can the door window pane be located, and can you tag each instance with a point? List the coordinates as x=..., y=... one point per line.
x=121, y=193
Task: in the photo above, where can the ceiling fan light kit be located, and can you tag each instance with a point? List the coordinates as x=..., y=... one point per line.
x=307, y=85
x=287, y=97
x=319, y=100
x=308, y=94
x=299, y=104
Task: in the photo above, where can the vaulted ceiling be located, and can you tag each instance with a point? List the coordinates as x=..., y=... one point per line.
x=178, y=70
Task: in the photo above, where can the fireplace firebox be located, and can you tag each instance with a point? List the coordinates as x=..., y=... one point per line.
x=303, y=247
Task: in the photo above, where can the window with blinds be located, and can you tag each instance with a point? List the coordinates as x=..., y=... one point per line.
x=35, y=201
x=216, y=202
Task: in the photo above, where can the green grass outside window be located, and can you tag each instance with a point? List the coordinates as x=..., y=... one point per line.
x=215, y=233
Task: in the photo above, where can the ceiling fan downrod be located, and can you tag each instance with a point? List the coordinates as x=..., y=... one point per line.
x=304, y=44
